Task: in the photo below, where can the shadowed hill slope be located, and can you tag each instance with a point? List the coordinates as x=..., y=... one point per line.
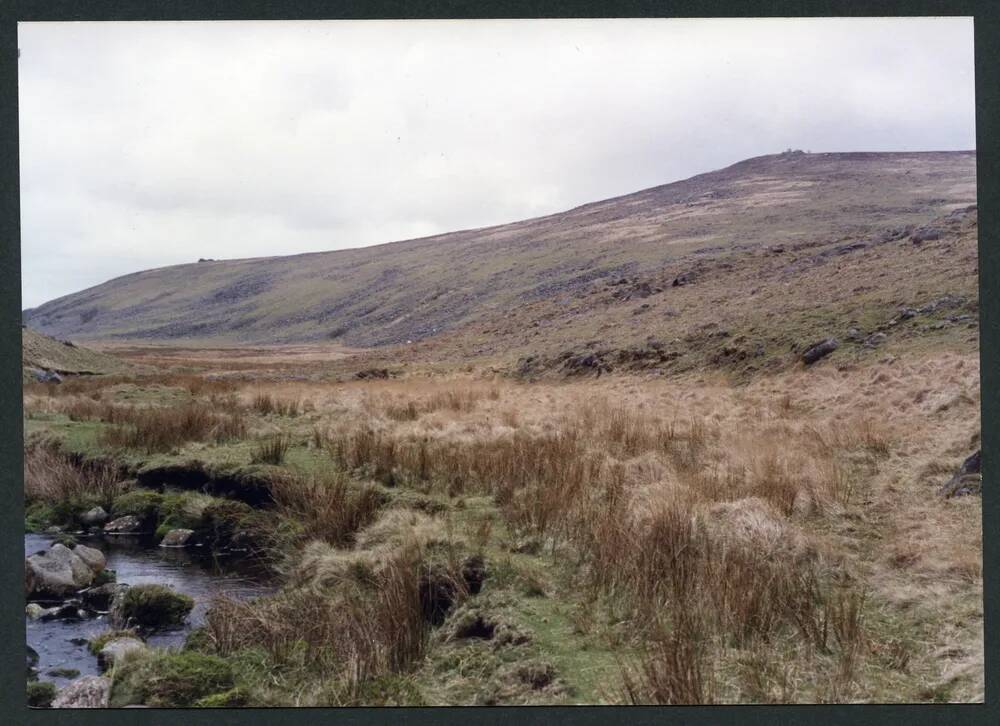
x=42, y=353
x=416, y=289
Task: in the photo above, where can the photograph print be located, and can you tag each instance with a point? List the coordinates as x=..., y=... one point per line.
x=500, y=362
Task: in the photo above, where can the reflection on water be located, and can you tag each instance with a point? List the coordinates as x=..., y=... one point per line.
x=138, y=561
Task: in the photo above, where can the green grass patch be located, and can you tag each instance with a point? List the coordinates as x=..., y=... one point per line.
x=164, y=679
x=40, y=694
x=142, y=503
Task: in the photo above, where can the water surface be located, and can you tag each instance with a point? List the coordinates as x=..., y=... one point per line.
x=138, y=560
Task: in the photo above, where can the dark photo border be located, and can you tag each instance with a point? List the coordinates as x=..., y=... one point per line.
x=12, y=636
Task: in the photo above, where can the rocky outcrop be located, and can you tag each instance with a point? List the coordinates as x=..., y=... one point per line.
x=967, y=480
x=597, y=360
x=373, y=374
x=585, y=363
x=85, y=692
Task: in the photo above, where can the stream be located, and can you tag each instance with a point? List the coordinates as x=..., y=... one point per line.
x=138, y=560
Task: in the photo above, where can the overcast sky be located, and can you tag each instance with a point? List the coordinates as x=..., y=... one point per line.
x=151, y=144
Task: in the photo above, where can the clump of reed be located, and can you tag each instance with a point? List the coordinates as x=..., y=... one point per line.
x=157, y=429
x=51, y=477
x=327, y=506
x=723, y=545
x=365, y=628
x=264, y=403
x=271, y=450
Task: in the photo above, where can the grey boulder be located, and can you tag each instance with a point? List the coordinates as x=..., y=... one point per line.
x=94, y=558
x=43, y=376
x=177, y=538
x=56, y=573
x=85, y=692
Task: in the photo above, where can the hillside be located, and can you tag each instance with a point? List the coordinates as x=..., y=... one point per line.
x=469, y=280
x=40, y=352
x=741, y=311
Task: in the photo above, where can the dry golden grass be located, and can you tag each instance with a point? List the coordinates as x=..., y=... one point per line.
x=764, y=487
x=264, y=403
x=325, y=507
x=360, y=631
x=358, y=618
x=50, y=477
x=154, y=429
x=795, y=515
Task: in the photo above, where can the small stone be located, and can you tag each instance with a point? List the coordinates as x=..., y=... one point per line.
x=875, y=339
x=925, y=234
x=177, y=538
x=117, y=651
x=69, y=611
x=95, y=516
x=129, y=524
x=100, y=598
x=43, y=376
